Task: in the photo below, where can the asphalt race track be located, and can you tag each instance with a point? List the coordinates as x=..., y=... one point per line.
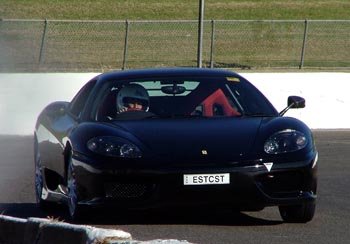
x=330, y=225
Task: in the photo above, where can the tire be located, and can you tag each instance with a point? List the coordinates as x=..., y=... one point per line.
x=75, y=211
x=298, y=213
x=39, y=180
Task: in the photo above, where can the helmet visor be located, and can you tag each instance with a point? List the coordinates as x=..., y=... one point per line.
x=134, y=100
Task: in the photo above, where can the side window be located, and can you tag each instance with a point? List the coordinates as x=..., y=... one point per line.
x=78, y=102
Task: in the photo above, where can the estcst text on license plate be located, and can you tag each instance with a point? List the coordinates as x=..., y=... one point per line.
x=206, y=179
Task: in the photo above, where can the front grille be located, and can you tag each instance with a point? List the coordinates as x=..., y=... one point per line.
x=126, y=190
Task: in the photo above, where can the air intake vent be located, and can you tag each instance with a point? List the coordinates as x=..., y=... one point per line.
x=126, y=190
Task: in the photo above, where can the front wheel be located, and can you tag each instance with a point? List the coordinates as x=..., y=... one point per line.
x=299, y=213
x=39, y=180
x=75, y=211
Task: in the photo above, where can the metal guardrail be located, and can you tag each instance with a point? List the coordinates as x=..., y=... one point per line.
x=77, y=45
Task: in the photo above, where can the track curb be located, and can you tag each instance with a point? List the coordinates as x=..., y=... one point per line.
x=39, y=231
x=42, y=231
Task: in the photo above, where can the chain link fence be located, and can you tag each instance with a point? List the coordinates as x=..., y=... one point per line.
x=86, y=46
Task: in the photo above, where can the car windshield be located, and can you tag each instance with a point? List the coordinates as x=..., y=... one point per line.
x=182, y=97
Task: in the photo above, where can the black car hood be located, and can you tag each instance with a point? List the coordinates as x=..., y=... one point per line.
x=190, y=139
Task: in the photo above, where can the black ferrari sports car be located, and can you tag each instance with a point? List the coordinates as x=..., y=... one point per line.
x=176, y=137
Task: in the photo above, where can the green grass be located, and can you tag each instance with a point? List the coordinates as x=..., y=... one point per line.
x=174, y=9
x=99, y=46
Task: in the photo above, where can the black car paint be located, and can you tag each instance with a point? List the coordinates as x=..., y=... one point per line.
x=173, y=148
x=168, y=168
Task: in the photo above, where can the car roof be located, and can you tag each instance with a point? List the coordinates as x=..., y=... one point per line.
x=165, y=72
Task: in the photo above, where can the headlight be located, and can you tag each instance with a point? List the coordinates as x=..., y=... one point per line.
x=113, y=146
x=285, y=141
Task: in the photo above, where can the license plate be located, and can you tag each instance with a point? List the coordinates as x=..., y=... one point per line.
x=206, y=179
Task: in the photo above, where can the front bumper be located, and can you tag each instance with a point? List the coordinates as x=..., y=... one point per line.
x=251, y=186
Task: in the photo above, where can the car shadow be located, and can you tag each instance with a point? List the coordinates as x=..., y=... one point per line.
x=28, y=210
x=199, y=216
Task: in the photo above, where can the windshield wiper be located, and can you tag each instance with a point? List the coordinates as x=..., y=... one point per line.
x=170, y=116
x=257, y=115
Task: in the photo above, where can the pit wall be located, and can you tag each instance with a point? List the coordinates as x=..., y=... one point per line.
x=23, y=96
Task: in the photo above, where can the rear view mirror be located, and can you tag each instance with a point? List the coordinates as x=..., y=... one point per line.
x=174, y=89
x=293, y=102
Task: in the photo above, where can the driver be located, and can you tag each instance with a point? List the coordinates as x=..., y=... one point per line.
x=132, y=97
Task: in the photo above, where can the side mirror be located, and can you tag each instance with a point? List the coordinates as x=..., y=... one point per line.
x=296, y=102
x=293, y=102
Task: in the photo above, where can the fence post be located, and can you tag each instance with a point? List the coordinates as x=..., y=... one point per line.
x=304, y=45
x=126, y=44
x=200, y=33
x=43, y=41
x=212, y=44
